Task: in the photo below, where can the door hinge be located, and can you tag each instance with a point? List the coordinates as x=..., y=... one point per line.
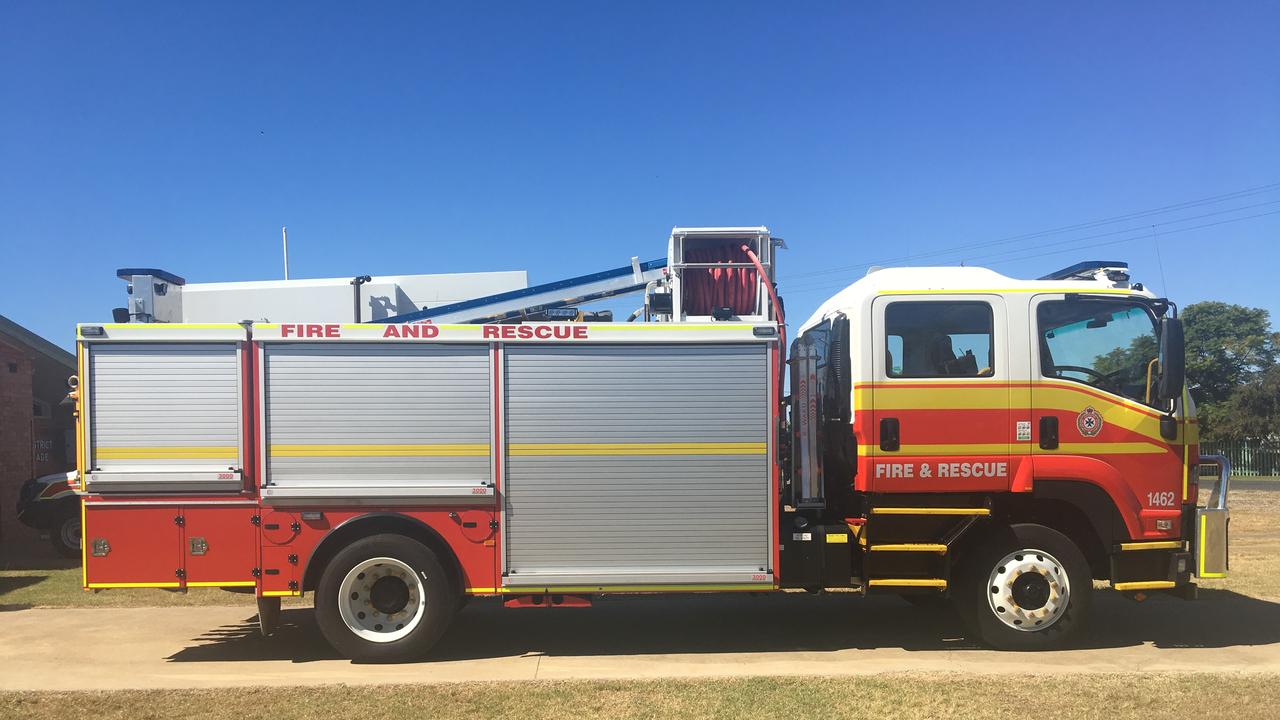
x=293, y=559
x=257, y=572
x=293, y=584
x=256, y=519
x=180, y=573
x=493, y=524
x=179, y=521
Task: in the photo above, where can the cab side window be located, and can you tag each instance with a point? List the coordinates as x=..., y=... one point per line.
x=939, y=339
x=1107, y=344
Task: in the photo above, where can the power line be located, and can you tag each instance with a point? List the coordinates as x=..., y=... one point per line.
x=1144, y=236
x=1074, y=241
x=1210, y=200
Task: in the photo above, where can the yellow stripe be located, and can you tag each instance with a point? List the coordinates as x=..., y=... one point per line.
x=1001, y=291
x=939, y=449
x=1145, y=585
x=230, y=583
x=910, y=547
x=1158, y=545
x=908, y=582
x=482, y=590
x=637, y=448
x=1083, y=448
x=280, y=593
x=437, y=450
x=101, y=586
x=166, y=453
x=1048, y=395
x=526, y=589
x=668, y=326
x=929, y=511
x=161, y=326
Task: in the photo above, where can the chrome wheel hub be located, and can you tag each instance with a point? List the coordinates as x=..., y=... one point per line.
x=382, y=599
x=1028, y=590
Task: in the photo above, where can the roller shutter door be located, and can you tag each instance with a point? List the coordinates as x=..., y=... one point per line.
x=164, y=416
x=635, y=464
x=351, y=421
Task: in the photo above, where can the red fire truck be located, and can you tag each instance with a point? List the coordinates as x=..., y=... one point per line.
x=946, y=434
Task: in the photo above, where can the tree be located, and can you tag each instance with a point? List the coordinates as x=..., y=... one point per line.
x=1227, y=346
x=1252, y=412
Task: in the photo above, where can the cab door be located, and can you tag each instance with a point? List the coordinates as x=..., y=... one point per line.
x=940, y=402
x=1095, y=415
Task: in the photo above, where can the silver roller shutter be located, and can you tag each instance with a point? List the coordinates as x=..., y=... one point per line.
x=164, y=417
x=635, y=464
x=360, y=421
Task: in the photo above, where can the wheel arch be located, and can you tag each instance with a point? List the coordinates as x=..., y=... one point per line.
x=378, y=523
x=1080, y=510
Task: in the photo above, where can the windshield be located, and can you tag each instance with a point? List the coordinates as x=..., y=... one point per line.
x=1106, y=344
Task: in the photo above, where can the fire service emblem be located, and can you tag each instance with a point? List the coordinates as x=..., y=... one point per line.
x=1089, y=422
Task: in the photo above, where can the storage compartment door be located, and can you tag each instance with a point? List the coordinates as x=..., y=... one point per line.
x=221, y=545
x=132, y=546
x=637, y=465
x=164, y=418
x=404, y=423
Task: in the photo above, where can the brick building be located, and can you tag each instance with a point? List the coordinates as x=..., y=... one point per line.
x=36, y=428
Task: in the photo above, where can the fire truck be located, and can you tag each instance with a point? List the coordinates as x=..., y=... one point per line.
x=945, y=434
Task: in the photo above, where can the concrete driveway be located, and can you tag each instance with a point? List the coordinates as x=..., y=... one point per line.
x=687, y=636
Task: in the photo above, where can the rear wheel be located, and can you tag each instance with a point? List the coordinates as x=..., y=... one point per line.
x=385, y=598
x=65, y=534
x=1026, y=588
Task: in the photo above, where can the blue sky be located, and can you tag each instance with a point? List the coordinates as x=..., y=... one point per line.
x=564, y=138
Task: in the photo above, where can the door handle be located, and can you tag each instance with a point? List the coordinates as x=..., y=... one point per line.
x=889, y=434
x=1048, y=433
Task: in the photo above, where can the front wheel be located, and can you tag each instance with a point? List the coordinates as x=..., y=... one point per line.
x=385, y=598
x=65, y=534
x=1026, y=588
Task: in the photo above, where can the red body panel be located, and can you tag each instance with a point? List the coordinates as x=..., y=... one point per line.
x=230, y=541
x=143, y=545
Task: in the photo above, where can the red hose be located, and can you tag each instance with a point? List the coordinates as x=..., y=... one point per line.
x=777, y=310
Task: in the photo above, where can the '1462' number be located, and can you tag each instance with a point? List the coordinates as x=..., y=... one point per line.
x=1161, y=499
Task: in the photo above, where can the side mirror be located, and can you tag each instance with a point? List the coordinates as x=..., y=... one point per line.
x=840, y=379
x=1173, y=360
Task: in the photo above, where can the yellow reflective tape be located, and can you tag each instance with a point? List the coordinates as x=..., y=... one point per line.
x=166, y=453
x=908, y=582
x=229, y=583
x=482, y=590
x=104, y=586
x=438, y=450
x=910, y=547
x=929, y=511
x=939, y=449
x=281, y=593
x=161, y=326
x=637, y=448
x=837, y=538
x=1145, y=585
x=668, y=326
x=1204, y=528
x=1157, y=545
x=1121, y=448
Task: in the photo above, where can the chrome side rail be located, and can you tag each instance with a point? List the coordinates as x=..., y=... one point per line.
x=1218, y=497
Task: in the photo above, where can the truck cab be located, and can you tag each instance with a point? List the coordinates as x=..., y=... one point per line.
x=1000, y=443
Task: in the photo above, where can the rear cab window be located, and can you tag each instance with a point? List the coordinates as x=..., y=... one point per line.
x=934, y=339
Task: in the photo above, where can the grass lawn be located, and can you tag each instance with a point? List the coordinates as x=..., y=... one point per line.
x=28, y=581
x=1114, y=696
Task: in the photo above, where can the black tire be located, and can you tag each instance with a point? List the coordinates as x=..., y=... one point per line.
x=980, y=604
x=439, y=600
x=65, y=534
